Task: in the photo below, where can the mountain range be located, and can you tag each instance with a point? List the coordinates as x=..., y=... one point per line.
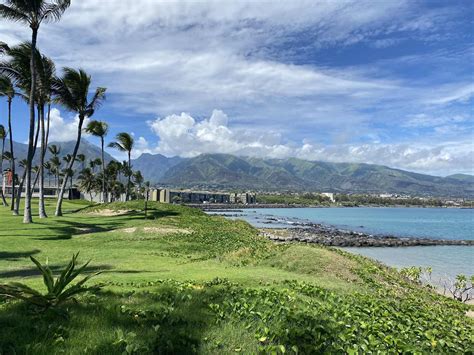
x=229, y=172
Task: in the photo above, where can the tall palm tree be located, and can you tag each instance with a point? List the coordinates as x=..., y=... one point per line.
x=124, y=143
x=19, y=71
x=46, y=74
x=32, y=13
x=72, y=91
x=7, y=89
x=100, y=129
x=3, y=136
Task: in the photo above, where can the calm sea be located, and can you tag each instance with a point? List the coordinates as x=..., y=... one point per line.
x=446, y=261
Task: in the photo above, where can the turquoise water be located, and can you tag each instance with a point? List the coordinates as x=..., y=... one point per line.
x=446, y=261
x=444, y=223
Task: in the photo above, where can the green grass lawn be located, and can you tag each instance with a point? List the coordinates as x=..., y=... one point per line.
x=184, y=282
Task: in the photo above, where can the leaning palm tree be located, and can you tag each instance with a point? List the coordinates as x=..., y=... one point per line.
x=100, y=129
x=124, y=143
x=72, y=91
x=32, y=13
x=8, y=90
x=3, y=136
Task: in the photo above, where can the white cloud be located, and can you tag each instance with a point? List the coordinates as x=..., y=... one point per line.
x=173, y=56
x=185, y=136
x=63, y=130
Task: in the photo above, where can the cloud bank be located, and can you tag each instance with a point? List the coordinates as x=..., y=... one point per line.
x=183, y=135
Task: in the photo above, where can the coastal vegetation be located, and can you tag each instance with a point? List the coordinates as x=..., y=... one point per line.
x=181, y=281
x=355, y=200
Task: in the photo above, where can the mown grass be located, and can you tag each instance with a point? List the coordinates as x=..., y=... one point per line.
x=184, y=282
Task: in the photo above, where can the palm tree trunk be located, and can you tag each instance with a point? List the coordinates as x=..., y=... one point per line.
x=16, y=210
x=4, y=201
x=28, y=194
x=12, y=161
x=103, y=170
x=27, y=218
x=42, y=210
x=47, y=129
x=127, y=195
x=59, y=212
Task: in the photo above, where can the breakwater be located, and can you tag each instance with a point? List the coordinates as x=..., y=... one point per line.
x=331, y=236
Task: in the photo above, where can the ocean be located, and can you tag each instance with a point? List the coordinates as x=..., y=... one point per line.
x=443, y=223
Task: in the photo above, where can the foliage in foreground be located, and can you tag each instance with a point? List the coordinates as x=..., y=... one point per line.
x=167, y=316
x=58, y=291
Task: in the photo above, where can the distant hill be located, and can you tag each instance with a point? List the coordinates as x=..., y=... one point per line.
x=229, y=172
x=155, y=165
x=223, y=171
x=462, y=177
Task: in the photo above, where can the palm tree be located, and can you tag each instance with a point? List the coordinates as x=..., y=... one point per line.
x=68, y=173
x=93, y=163
x=72, y=91
x=55, y=163
x=100, y=129
x=32, y=13
x=81, y=158
x=87, y=181
x=124, y=143
x=138, y=179
x=3, y=136
x=48, y=167
x=46, y=74
x=7, y=89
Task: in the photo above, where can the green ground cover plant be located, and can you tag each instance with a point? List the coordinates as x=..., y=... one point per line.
x=184, y=282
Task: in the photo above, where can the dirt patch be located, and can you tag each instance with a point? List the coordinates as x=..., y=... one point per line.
x=470, y=314
x=109, y=213
x=166, y=230
x=129, y=230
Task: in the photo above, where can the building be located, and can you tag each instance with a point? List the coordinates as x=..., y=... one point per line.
x=330, y=195
x=49, y=191
x=188, y=196
x=198, y=197
x=245, y=198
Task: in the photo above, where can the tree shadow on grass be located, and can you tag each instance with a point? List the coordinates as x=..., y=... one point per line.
x=68, y=229
x=163, y=321
x=14, y=256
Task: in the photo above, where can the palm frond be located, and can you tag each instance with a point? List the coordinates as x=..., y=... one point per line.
x=96, y=102
x=3, y=47
x=53, y=12
x=117, y=146
x=12, y=13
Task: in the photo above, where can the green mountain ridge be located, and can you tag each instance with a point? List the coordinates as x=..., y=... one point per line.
x=224, y=171
x=229, y=172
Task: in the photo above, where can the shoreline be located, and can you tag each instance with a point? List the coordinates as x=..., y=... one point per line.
x=302, y=231
x=330, y=236
x=215, y=207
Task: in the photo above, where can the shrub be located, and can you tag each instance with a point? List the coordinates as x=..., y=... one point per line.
x=58, y=290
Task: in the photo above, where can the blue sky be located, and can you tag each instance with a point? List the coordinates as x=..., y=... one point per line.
x=385, y=82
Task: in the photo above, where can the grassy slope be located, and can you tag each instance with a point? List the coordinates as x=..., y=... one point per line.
x=182, y=281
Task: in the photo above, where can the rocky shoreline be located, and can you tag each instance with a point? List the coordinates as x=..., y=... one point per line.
x=330, y=236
